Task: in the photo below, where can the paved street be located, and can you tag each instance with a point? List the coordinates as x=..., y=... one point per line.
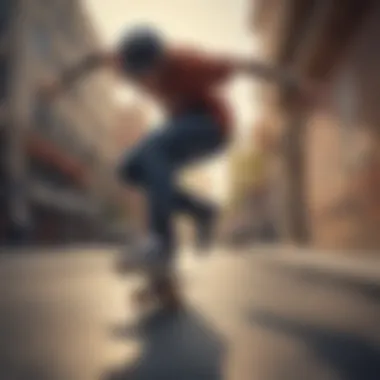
x=66, y=316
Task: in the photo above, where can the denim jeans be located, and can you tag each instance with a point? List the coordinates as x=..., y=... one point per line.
x=154, y=162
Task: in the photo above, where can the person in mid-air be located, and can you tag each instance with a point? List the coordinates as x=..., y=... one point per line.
x=185, y=82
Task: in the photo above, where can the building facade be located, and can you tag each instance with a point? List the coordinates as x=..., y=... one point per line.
x=132, y=125
x=55, y=161
x=330, y=154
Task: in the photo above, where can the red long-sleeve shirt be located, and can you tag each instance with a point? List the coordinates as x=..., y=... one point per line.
x=190, y=80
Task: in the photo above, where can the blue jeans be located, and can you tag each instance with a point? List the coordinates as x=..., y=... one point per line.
x=153, y=164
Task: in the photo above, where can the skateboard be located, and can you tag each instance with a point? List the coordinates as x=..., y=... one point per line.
x=162, y=289
x=163, y=292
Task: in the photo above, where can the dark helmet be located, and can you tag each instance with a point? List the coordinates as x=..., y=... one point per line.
x=140, y=50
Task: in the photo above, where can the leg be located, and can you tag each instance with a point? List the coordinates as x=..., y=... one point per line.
x=190, y=205
x=204, y=214
x=164, y=289
x=158, y=178
x=167, y=291
x=149, y=167
x=153, y=165
x=131, y=171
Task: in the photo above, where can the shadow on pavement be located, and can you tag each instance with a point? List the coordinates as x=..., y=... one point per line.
x=180, y=346
x=350, y=356
x=15, y=348
x=347, y=282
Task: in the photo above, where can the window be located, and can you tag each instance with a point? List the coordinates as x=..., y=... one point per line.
x=43, y=117
x=4, y=75
x=42, y=42
x=5, y=14
x=67, y=20
x=67, y=137
x=347, y=106
x=45, y=3
x=63, y=134
x=347, y=97
x=89, y=155
x=75, y=93
x=45, y=173
x=3, y=154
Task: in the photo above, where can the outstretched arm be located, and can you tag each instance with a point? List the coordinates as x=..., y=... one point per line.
x=269, y=73
x=89, y=64
x=302, y=90
x=72, y=74
x=219, y=69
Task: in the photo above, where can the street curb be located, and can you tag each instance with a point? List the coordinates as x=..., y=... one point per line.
x=366, y=285
x=45, y=250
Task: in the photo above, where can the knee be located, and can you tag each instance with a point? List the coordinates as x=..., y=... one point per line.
x=129, y=169
x=137, y=166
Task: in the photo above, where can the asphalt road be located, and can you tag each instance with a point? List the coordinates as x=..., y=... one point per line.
x=67, y=316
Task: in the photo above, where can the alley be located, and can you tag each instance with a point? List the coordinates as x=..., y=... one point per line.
x=68, y=316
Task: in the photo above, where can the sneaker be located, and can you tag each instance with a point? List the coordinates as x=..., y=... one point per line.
x=147, y=255
x=206, y=230
x=168, y=293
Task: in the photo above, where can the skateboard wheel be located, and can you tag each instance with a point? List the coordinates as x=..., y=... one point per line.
x=142, y=296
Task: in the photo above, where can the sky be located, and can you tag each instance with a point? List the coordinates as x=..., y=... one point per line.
x=218, y=25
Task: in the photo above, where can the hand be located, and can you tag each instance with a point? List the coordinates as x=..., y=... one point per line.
x=49, y=88
x=311, y=90
x=309, y=93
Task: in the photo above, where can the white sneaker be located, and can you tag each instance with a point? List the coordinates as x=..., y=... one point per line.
x=146, y=256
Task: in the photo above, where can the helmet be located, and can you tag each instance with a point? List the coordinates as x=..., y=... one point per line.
x=140, y=50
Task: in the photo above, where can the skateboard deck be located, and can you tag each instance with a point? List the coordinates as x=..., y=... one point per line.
x=168, y=296
x=162, y=288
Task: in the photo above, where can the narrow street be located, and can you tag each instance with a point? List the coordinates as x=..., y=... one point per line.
x=68, y=316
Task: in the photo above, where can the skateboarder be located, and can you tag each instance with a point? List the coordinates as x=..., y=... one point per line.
x=185, y=83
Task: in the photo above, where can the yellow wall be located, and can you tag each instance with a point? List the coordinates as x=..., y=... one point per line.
x=248, y=171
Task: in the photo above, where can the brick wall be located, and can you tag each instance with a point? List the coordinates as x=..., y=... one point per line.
x=344, y=150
